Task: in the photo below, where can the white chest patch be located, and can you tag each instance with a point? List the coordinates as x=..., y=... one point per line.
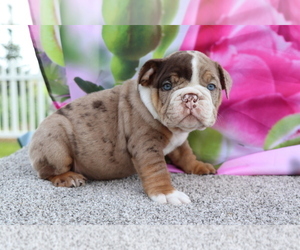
x=145, y=94
x=176, y=140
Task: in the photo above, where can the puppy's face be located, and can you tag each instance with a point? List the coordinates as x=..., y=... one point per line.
x=183, y=90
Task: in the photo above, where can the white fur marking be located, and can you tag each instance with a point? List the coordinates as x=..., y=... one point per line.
x=177, y=140
x=160, y=198
x=145, y=94
x=174, y=198
x=195, y=70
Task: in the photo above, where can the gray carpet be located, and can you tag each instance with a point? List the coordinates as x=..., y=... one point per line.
x=27, y=202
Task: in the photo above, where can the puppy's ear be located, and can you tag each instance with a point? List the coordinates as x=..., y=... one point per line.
x=148, y=71
x=225, y=79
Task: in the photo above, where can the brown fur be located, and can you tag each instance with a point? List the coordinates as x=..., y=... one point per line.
x=184, y=158
x=111, y=134
x=95, y=141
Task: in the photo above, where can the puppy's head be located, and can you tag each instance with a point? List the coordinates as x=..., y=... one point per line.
x=183, y=90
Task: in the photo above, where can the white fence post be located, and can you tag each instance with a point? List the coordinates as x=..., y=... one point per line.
x=13, y=95
x=41, y=101
x=24, y=102
x=4, y=104
x=32, y=116
x=23, y=105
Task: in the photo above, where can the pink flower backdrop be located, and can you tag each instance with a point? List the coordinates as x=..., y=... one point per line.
x=87, y=46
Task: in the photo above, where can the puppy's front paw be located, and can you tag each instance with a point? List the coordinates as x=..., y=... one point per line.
x=203, y=168
x=174, y=198
x=69, y=179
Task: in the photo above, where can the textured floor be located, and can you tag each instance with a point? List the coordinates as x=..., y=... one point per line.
x=264, y=201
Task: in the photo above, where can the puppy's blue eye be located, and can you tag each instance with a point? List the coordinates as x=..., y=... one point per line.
x=167, y=86
x=211, y=87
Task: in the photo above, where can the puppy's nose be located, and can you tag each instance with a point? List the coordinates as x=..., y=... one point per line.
x=190, y=100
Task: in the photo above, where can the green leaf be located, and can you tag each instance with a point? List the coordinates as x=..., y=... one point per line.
x=169, y=33
x=206, y=144
x=131, y=12
x=56, y=78
x=123, y=69
x=86, y=86
x=170, y=8
x=63, y=99
x=48, y=15
x=281, y=134
x=50, y=42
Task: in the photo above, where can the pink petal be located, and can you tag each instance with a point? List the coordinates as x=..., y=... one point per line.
x=234, y=12
x=209, y=11
x=290, y=10
x=283, y=161
x=251, y=76
x=174, y=169
x=34, y=6
x=189, y=42
x=209, y=35
x=191, y=13
x=291, y=33
x=35, y=36
x=254, y=12
x=249, y=121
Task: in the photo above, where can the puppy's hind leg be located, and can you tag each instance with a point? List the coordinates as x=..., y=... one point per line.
x=51, y=153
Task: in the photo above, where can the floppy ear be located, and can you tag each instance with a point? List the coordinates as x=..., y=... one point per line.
x=148, y=71
x=225, y=79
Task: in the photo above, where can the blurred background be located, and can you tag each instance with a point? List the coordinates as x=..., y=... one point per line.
x=81, y=48
x=20, y=77
x=24, y=101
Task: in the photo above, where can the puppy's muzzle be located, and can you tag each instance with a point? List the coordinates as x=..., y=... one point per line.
x=190, y=100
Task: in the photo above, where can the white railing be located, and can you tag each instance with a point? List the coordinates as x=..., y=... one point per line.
x=24, y=101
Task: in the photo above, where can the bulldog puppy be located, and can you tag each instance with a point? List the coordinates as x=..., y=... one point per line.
x=130, y=128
